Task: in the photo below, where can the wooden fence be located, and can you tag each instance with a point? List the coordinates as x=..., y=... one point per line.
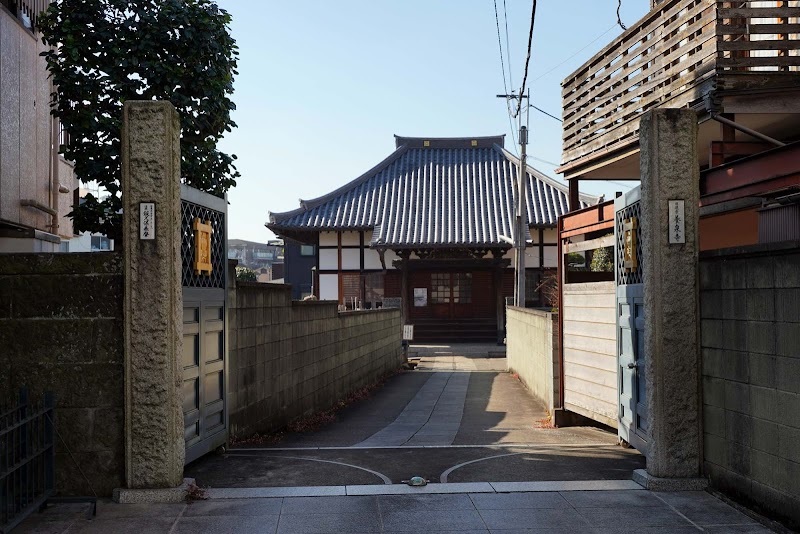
x=673, y=57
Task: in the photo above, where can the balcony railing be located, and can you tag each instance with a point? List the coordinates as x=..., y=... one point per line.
x=27, y=11
x=674, y=57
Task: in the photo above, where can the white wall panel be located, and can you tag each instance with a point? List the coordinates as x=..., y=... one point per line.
x=551, y=257
x=351, y=258
x=532, y=257
x=372, y=259
x=328, y=258
x=350, y=239
x=329, y=287
x=328, y=239
x=390, y=256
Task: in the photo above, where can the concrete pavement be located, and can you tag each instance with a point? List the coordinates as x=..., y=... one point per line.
x=459, y=413
x=461, y=422
x=552, y=512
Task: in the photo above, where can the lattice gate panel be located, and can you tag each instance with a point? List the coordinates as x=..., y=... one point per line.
x=626, y=276
x=189, y=212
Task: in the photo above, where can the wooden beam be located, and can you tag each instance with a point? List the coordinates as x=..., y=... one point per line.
x=591, y=244
x=574, y=195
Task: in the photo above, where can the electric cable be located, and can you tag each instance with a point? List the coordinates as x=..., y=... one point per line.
x=540, y=110
x=619, y=20
x=528, y=59
x=503, y=67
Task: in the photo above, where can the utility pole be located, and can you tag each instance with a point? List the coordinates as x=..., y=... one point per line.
x=521, y=218
x=520, y=232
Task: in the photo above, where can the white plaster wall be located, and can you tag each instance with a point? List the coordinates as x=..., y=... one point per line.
x=350, y=239
x=351, y=258
x=531, y=257
x=551, y=257
x=372, y=259
x=328, y=258
x=328, y=239
x=390, y=256
x=329, y=287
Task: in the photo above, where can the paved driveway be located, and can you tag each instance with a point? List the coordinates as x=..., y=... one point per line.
x=460, y=417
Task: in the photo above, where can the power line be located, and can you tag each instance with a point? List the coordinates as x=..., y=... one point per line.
x=508, y=46
x=576, y=53
x=544, y=161
x=500, y=47
x=620, y=183
x=528, y=59
x=619, y=20
x=540, y=110
x=503, y=67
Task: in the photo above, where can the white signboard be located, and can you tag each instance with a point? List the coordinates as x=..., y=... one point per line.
x=677, y=222
x=420, y=296
x=408, y=332
x=147, y=220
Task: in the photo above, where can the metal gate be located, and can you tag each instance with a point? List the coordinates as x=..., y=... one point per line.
x=204, y=245
x=27, y=458
x=631, y=357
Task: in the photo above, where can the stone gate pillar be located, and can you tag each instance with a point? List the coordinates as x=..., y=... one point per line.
x=669, y=225
x=154, y=442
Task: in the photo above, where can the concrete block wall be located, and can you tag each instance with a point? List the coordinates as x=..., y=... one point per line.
x=61, y=331
x=291, y=358
x=532, y=352
x=750, y=336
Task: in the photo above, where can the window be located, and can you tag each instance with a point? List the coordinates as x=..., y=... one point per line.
x=462, y=288
x=440, y=288
x=451, y=287
x=100, y=243
x=306, y=250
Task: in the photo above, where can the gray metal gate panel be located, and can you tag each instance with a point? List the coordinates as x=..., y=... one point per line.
x=205, y=340
x=631, y=357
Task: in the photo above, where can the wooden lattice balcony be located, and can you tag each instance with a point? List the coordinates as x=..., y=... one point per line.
x=683, y=53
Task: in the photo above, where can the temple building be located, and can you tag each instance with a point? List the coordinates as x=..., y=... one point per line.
x=428, y=228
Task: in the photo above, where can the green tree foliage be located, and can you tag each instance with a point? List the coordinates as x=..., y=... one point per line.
x=602, y=260
x=575, y=259
x=245, y=274
x=108, y=51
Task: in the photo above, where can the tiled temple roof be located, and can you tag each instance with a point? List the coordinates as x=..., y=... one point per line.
x=456, y=192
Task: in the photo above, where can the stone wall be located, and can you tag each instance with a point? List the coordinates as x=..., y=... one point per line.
x=532, y=352
x=750, y=309
x=291, y=358
x=61, y=331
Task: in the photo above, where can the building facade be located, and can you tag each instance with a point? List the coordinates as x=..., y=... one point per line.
x=256, y=256
x=427, y=229
x=37, y=186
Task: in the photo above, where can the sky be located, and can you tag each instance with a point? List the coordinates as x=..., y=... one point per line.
x=324, y=86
